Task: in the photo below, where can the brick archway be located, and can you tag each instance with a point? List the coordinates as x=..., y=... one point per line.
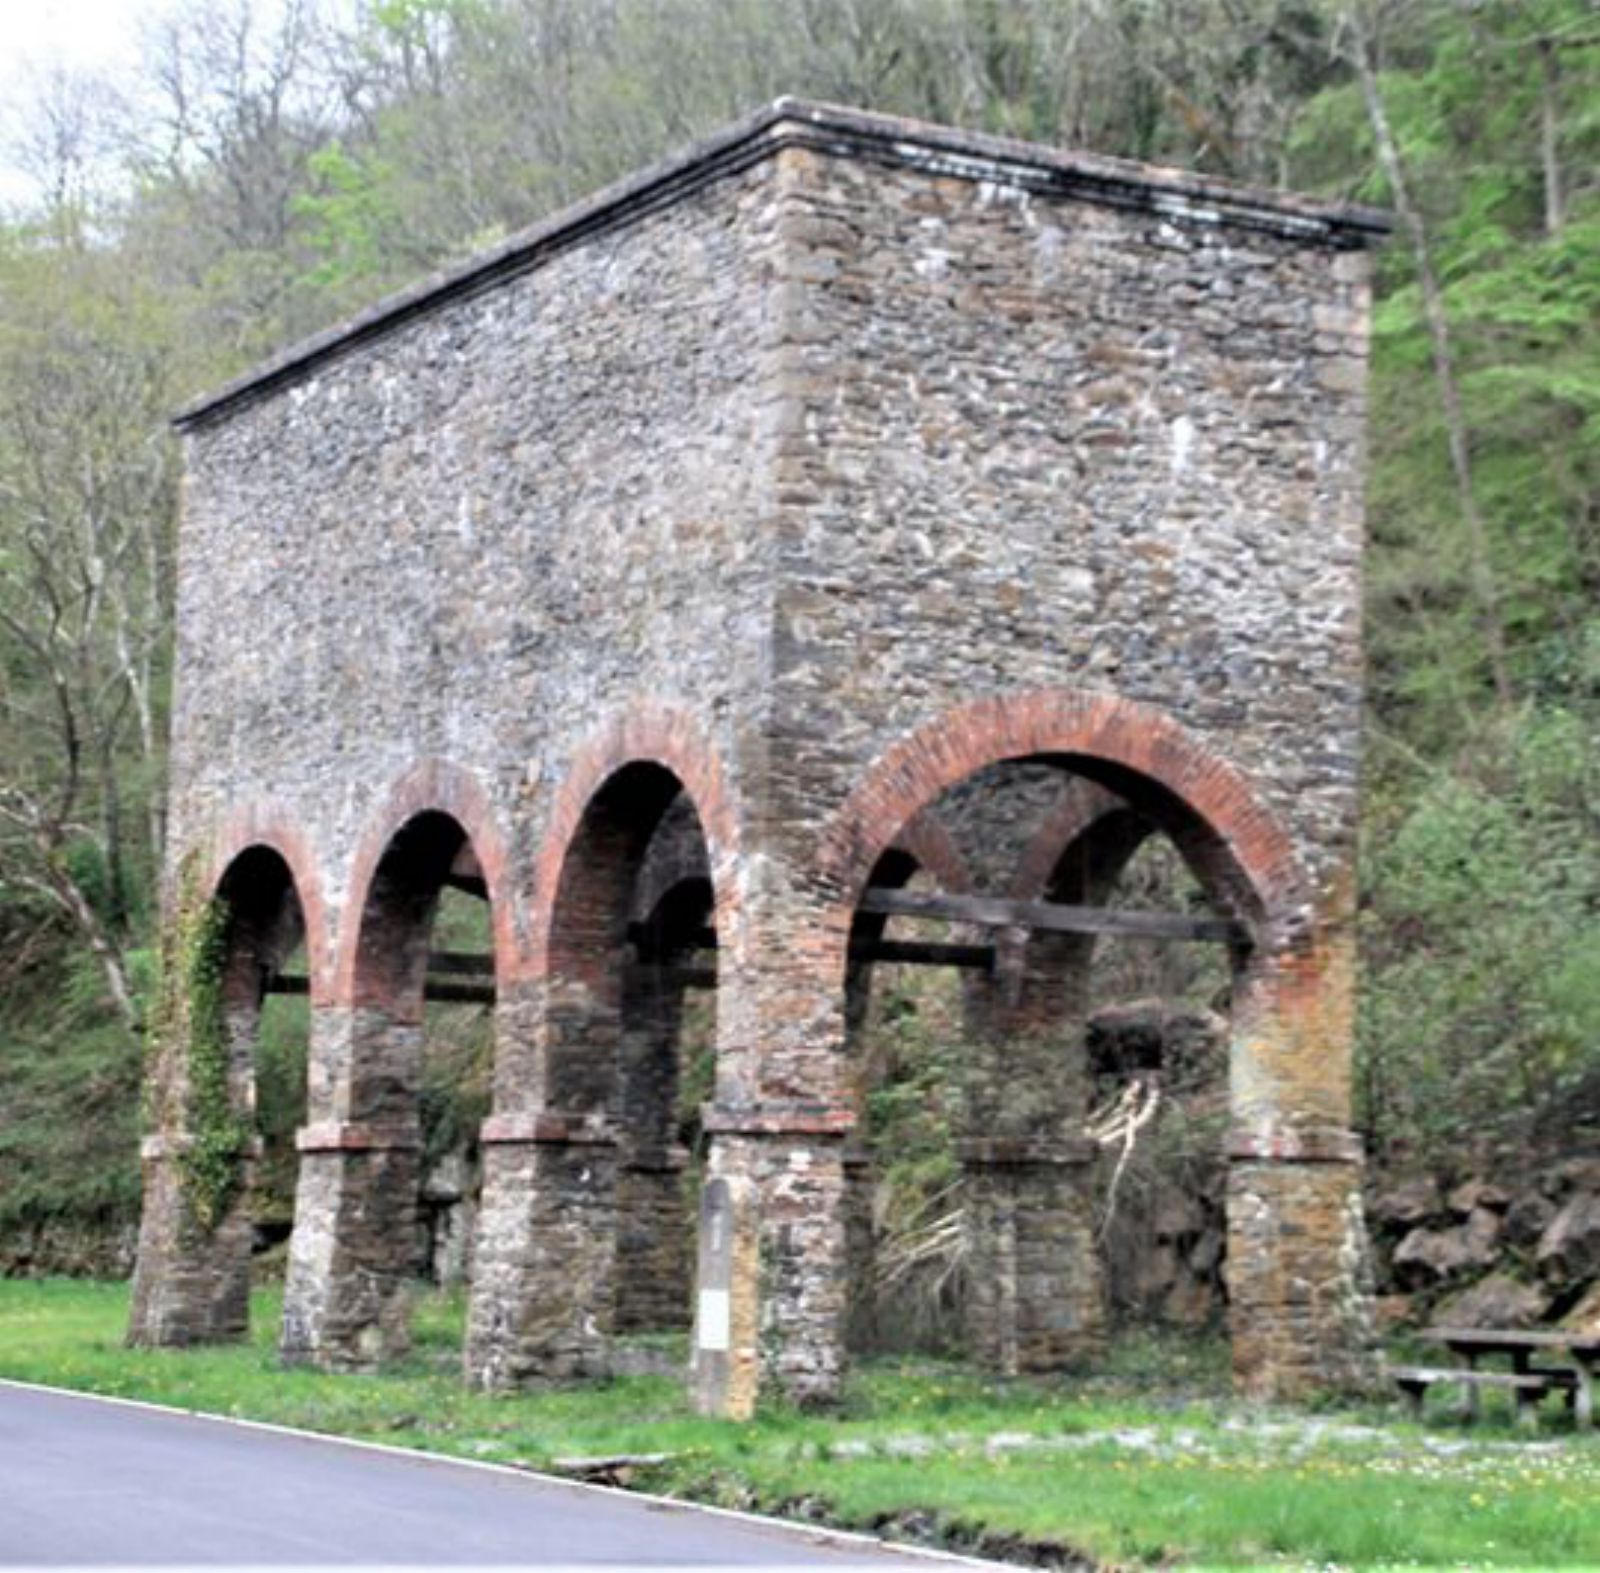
x=582, y=1146
x=1137, y=748
x=261, y=826
x=1083, y=808
x=646, y=735
x=438, y=787
x=192, y=1283
x=929, y=841
x=1298, y=1314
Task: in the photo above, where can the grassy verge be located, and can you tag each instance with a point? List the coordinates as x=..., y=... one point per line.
x=1148, y=1463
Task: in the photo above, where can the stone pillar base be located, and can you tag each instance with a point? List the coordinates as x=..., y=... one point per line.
x=771, y=1300
x=1035, y=1301
x=543, y=1291
x=652, y=1243
x=191, y=1284
x=1298, y=1272
x=346, y=1304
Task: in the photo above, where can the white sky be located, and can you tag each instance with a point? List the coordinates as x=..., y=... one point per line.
x=73, y=32
x=37, y=36
x=99, y=36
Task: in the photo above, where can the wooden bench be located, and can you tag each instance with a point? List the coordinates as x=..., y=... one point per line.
x=1531, y=1353
x=1527, y=1387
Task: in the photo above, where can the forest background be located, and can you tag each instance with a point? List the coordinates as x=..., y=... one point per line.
x=266, y=169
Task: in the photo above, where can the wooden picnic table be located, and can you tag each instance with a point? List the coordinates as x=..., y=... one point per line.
x=1566, y=1361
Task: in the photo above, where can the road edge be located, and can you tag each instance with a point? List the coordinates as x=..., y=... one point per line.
x=820, y=1533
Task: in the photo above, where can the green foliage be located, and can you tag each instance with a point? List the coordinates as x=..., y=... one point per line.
x=349, y=217
x=280, y=1077
x=1480, y=1026
x=914, y=1084
x=1482, y=1021
x=69, y=1137
x=189, y=1046
x=457, y=1072
x=458, y=1054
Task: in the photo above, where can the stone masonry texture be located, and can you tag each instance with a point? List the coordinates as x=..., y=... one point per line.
x=841, y=486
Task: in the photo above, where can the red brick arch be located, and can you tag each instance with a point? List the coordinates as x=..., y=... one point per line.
x=1083, y=805
x=927, y=845
x=258, y=825
x=432, y=786
x=646, y=734
x=1135, y=740
x=928, y=840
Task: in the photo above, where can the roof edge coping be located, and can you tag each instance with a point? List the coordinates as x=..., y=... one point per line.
x=831, y=128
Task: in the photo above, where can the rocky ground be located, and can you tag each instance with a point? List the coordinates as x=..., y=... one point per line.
x=1482, y=1253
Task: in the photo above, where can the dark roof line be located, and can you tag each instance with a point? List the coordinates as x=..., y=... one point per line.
x=851, y=133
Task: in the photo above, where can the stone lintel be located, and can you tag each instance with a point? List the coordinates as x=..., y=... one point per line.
x=550, y=1126
x=777, y=1119
x=1294, y=1146
x=1021, y=1151
x=357, y=1136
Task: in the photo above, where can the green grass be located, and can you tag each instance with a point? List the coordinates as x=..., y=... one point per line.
x=1149, y=1462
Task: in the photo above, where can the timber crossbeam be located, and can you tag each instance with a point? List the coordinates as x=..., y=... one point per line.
x=1053, y=917
x=476, y=972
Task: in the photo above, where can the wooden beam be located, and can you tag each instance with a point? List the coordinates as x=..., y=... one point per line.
x=1051, y=917
x=438, y=991
x=466, y=873
x=460, y=964
x=916, y=953
x=984, y=911
x=912, y=953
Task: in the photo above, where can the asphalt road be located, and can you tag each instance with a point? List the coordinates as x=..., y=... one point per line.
x=88, y=1483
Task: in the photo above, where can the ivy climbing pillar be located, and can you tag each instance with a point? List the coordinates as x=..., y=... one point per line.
x=192, y=1283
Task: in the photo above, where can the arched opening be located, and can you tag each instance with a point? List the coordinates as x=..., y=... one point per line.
x=457, y=1070
x=1106, y=922
x=905, y=1003
x=397, y=1087
x=632, y=1024
x=265, y=1027
x=1156, y=1028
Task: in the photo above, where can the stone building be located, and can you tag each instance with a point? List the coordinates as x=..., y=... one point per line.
x=845, y=503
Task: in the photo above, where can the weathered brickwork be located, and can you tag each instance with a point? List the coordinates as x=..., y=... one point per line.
x=660, y=576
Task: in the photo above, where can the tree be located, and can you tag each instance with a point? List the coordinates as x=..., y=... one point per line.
x=86, y=496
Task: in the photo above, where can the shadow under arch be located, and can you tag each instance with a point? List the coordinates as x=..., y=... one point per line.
x=435, y=791
x=632, y=893
x=1239, y=852
x=1035, y=1303
x=255, y=830
x=347, y=1300
x=643, y=739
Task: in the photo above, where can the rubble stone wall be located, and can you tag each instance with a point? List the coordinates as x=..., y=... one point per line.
x=823, y=467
